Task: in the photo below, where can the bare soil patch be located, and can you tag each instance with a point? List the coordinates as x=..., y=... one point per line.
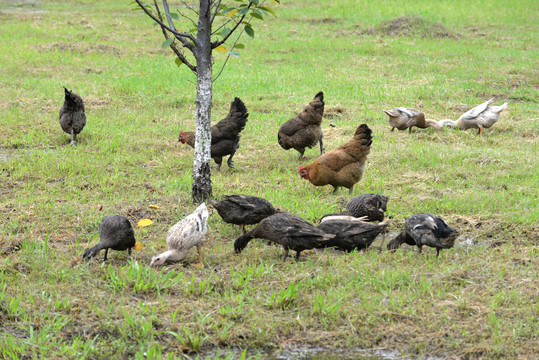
x=412, y=25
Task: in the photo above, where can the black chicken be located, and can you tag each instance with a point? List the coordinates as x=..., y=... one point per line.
x=116, y=233
x=304, y=130
x=225, y=135
x=370, y=207
x=72, y=116
x=290, y=231
x=350, y=234
x=243, y=209
x=425, y=229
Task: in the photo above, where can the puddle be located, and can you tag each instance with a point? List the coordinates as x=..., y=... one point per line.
x=27, y=6
x=313, y=353
x=333, y=354
x=10, y=153
x=5, y=155
x=465, y=241
x=18, y=4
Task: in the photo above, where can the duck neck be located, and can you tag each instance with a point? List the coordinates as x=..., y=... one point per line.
x=435, y=124
x=449, y=122
x=172, y=255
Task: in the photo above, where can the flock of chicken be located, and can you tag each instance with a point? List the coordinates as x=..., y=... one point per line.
x=341, y=167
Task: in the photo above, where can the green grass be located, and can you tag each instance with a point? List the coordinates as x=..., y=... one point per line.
x=472, y=302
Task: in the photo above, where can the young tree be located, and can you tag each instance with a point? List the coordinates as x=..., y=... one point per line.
x=216, y=22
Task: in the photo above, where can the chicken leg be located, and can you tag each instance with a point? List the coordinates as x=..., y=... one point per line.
x=73, y=136
x=218, y=162
x=229, y=162
x=321, y=147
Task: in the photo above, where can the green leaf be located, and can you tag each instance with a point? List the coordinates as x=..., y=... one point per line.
x=174, y=16
x=268, y=9
x=225, y=32
x=226, y=11
x=178, y=62
x=256, y=14
x=167, y=43
x=254, y=2
x=239, y=46
x=249, y=30
x=243, y=11
x=234, y=53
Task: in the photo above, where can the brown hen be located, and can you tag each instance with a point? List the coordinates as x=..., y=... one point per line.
x=342, y=166
x=304, y=131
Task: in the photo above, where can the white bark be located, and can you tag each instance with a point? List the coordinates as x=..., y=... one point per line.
x=202, y=186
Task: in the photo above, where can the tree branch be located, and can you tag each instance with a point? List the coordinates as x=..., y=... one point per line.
x=228, y=57
x=188, y=18
x=178, y=53
x=179, y=35
x=189, y=7
x=215, y=12
x=220, y=27
x=219, y=43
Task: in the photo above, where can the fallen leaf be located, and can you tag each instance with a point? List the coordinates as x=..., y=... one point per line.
x=144, y=223
x=153, y=207
x=137, y=246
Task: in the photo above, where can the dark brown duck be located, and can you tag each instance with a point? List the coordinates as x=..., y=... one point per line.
x=290, y=231
x=116, y=233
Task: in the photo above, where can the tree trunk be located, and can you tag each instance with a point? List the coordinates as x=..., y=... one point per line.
x=202, y=186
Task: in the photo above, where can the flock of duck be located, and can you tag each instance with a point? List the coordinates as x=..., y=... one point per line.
x=356, y=228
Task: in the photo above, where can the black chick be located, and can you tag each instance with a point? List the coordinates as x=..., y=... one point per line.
x=116, y=233
x=425, y=229
x=72, y=116
x=370, y=206
x=350, y=233
x=290, y=231
x=243, y=209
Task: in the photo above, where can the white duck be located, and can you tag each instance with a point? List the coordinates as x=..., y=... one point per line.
x=188, y=232
x=479, y=117
x=404, y=118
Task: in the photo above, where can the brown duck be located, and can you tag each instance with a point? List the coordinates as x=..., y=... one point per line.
x=404, y=118
x=370, y=207
x=290, y=231
x=350, y=233
x=243, y=209
x=116, y=233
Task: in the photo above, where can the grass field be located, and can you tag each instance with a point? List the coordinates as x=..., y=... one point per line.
x=474, y=301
